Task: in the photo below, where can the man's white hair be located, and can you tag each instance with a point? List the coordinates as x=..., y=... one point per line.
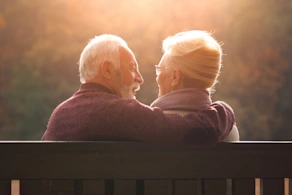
x=100, y=48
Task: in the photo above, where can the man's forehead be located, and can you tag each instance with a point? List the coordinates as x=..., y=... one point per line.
x=127, y=56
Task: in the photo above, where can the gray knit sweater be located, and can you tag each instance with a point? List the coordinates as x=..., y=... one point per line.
x=189, y=100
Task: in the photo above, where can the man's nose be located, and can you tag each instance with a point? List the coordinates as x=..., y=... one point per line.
x=139, y=78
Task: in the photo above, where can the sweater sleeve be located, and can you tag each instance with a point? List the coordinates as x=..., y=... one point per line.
x=205, y=127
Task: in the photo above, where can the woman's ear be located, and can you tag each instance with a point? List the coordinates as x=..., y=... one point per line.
x=176, y=78
x=106, y=69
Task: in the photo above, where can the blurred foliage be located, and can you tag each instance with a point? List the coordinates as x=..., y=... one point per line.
x=40, y=44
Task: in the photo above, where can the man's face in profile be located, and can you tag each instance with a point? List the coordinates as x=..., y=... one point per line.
x=128, y=78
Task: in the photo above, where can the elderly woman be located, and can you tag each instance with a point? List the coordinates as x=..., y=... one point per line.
x=187, y=74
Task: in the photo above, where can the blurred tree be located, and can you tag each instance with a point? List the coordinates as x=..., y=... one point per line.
x=256, y=65
x=31, y=58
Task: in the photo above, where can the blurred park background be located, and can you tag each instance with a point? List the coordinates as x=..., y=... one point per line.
x=41, y=40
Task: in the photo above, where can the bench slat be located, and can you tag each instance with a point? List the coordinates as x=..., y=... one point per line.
x=289, y=186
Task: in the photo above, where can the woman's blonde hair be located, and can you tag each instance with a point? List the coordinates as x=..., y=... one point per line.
x=197, y=55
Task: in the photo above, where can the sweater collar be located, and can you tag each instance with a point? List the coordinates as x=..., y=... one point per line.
x=189, y=99
x=94, y=86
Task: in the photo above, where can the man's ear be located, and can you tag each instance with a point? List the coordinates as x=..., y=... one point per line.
x=107, y=69
x=176, y=78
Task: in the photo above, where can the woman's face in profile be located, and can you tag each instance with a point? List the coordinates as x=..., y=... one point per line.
x=163, y=78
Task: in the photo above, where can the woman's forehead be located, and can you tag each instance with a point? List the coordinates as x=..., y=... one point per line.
x=164, y=60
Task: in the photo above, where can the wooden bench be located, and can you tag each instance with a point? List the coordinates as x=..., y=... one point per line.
x=131, y=168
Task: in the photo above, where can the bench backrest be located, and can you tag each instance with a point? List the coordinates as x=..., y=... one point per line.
x=138, y=168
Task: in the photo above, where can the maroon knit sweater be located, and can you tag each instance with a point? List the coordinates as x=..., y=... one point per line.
x=94, y=113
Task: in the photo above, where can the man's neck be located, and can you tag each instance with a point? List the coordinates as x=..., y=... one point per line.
x=108, y=83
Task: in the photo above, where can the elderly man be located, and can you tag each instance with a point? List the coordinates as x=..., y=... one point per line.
x=104, y=108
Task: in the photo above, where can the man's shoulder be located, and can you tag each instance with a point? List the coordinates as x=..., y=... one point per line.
x=97, y=99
